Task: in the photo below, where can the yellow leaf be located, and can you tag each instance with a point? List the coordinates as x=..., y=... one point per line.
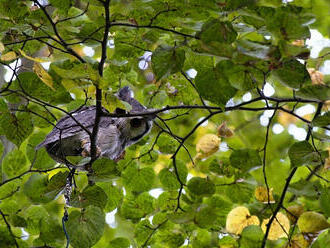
x=286, y=119
x=239, y=218
x=316, y=76
x=8, y=56
x=299, y=241
x=207, y=145
x=261, y=194
x=2, y=47
x=43, y=75
x=299, y=43
x=280, y=227
x=37, y=59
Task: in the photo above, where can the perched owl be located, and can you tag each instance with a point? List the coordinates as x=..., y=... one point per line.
x=114, y=134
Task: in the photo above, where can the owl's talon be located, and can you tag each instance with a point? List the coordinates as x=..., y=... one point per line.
x=121, y=156
x=87, y=149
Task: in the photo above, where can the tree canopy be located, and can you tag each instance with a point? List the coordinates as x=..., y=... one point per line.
x=238, y=154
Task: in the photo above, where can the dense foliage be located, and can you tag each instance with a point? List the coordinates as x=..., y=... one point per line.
x=223, y=165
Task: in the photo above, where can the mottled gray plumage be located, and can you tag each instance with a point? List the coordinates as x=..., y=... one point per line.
x=68, y=138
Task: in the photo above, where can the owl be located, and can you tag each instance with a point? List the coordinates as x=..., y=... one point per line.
x=68, y=138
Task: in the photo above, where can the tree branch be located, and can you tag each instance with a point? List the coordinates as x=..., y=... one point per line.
x=287, y=183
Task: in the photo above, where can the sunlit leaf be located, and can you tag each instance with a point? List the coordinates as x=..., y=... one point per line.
x=251, y=236
x=138, y=180
x=312, y=222
x=239, y=218
x=279, y=228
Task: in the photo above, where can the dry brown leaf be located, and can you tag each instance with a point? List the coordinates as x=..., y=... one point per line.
x=316, y=76
x=225, y=131
x=8, y=56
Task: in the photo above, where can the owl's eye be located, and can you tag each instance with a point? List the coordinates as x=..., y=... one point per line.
x=120, y=111
x=136, y=122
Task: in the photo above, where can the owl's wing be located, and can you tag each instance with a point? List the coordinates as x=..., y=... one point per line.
x=67, y=126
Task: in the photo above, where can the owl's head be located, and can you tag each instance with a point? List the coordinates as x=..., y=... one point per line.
x=133, y=128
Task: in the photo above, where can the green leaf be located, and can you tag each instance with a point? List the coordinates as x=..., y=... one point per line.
x=166, y=144
x=115, y=196
x=139, y=207
x=323, y=120
x=303, y=188
x=33, y=215
x=14, y=163
x=217, y=31
x=104, y=170
x=36, y=189
x=6, y=239
x=312, y=222
x=168, y=179
x=33, y=86
x=201, y=186
x=17, y=127
x=149, y=157
x=85, y=227
x=181, y=217
x=91, y=195
x=253, y=49
x=213, y=86
x=167, y=61
x=325, y=201
x=301, y=153
x=240, y=193
x=323, y=240
x=142, y=231
x=18, y=221
x=291, y=73
x=170, y=238
x=40, y=159
x=56, y=184
x=251, y=237
x=286, y=23
x=138, y=180
x=78, y=71
x=167, y=201
x=119, y=243
x=64, y=5
x=315, y=92
x=182, y=170
x=245, y=159
x=206, y=217
x=222, y=207
x=51, y=230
